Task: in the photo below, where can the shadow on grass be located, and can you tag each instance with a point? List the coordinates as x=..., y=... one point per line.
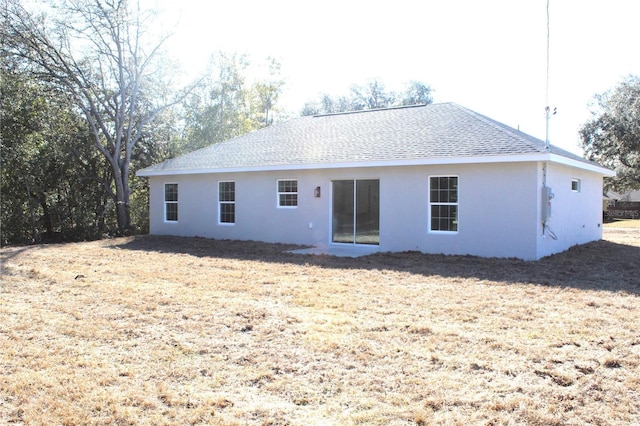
x=599, y=265
x=9, y=253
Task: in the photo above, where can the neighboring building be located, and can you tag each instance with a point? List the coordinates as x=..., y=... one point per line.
x=621, y=206
x=437, y=178
x=627, y=197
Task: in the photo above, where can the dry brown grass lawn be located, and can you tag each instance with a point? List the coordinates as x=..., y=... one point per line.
x=154, y=330
x=623, y=223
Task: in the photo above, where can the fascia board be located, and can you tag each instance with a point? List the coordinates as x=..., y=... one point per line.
x=350, y=164
x=559, y=159
x=535, y=157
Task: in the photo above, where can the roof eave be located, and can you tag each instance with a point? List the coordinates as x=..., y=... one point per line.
x=352, y=164
x=486, y=159
x=592, y=167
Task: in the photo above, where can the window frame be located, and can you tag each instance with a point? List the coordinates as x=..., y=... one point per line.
x=432, y=203
x=222, y=202
x=279, y=194
x=170, y=202
x=577, y=183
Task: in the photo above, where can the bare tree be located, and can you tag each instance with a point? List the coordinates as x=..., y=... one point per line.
x=94, y=51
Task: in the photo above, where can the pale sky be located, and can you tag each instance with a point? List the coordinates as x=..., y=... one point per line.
x=489, y=56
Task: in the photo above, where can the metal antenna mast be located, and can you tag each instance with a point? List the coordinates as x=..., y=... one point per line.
x=547, y=109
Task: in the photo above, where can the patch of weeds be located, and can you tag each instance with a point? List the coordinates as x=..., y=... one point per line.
x=164, y=395
x=476, y=367
x=379, y=329
x=260, y=380
x=558, y=379
x=612, y=363
x=421, y=330
x=222, y=403
x=421, y=418
x=584, y=370
x=434, y=404
x=302, y=401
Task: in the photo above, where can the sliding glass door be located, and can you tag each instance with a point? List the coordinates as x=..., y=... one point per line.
x=343, y=211
x=356, y=211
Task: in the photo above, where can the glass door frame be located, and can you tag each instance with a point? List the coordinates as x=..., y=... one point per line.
x=357, y=232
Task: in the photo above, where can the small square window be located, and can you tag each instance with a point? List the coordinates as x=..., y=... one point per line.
x=575, y=185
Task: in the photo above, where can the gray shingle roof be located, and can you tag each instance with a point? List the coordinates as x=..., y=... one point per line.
x=445, y=131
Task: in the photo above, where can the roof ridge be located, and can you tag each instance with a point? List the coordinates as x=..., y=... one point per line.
x=370, y=110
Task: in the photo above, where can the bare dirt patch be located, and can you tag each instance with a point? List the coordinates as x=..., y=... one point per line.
x=158, y=330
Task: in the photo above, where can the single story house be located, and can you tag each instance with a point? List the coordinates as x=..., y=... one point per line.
x=435, y=178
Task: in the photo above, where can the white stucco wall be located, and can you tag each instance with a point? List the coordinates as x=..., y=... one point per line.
x=497, y=211
x=576, y=217
x=257, y=214
x=499, y=208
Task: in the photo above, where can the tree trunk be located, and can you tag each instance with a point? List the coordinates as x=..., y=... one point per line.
x=124, y=216
x=34, y=229
x=122, y=201
x=46, y=214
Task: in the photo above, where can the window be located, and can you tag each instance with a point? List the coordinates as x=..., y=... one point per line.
x=575, y=185
x=171, y=202
x=287, y=193
x=443, y=203
x=227, y=202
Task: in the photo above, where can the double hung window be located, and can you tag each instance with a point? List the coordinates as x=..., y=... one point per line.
x=171, y=202
x=287, y=193
x=443, y=203
x=227, y=202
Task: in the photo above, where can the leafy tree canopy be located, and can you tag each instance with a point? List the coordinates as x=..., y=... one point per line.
x=52, y=182
x=371, y=95
x=96, y=54
x=612, y=136
x=227, y=104
x=88, y=99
